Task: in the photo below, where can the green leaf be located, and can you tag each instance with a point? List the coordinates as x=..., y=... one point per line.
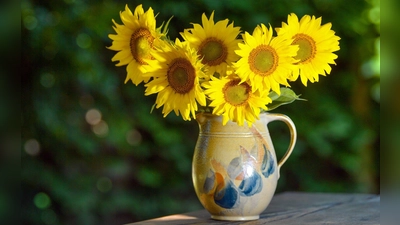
x=287, y=96
x=152, y=108
x=164, y=27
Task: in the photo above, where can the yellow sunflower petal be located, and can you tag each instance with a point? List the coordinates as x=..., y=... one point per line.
x=176, y=80
x=134, y=40
x=215, y=43
x=266, y=61
x=234, y=100
x=316, y=44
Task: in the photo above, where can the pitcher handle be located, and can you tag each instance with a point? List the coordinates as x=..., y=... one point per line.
x=293, y=134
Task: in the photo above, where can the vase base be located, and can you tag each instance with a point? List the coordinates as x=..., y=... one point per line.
x=235, y=218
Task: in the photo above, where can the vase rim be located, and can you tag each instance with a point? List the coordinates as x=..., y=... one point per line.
x=211, y=115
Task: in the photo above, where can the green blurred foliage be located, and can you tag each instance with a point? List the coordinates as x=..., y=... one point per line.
x=9, y=106
x=92, y=153
x=390, y=105
x=390, y=118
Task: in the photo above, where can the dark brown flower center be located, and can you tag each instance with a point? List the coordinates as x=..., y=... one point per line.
x=263, y=60
x=181, y=75
x=236, y=94
x=141, y=44
x=213, y=51
x=307, y=47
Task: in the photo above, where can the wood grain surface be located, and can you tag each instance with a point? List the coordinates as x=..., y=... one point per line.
x=297, y=208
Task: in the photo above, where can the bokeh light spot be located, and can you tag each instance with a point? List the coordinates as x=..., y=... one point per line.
x=47, y=80
x=49, y=216
x=84, y=41
x=100, y=129
x=42, y=200
x=32, y=147
x=133, y=137
x=93, y=116
x=30, y=22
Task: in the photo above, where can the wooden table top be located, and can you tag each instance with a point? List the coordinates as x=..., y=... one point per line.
x=297, y=208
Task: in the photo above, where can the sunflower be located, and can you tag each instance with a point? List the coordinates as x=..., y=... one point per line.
x=134, y=40
x=316, y=46
x=266, y=61
x=176, y=70
x=234, y=99
x=215, y=43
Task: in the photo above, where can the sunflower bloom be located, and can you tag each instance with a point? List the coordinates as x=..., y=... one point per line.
x=215, y=43
x=266, y=61
x=234, y=99
x=316, y=46
x=134, y=40
x=176, y=71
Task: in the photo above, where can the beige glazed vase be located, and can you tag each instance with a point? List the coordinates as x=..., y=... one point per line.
x=234, y=168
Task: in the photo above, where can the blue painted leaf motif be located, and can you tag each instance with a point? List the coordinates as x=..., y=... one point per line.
x=251, y=185
x=219, y=184
x=242, y=166
x=243, y=169
x=226, y=196
x=209, y=182
x=267, y=167
x=235, y=168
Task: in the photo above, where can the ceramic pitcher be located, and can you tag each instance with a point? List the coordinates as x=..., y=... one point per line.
x=234, y=168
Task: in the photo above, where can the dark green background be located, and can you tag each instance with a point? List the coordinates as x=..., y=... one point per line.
x=138, y=165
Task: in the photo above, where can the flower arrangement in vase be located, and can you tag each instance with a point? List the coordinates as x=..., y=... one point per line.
x=224, y=79
x=216, y=68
